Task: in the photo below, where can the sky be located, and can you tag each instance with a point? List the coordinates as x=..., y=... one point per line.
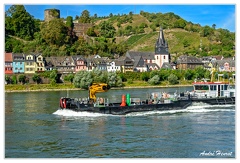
x=221, y=14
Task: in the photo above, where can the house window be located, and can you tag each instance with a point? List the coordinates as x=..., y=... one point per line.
x=164, y=57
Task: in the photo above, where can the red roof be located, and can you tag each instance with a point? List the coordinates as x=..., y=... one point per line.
x=8, y=57
x=209, y=83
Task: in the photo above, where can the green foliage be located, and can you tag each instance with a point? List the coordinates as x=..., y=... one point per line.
x=106, y=29
x=20, y=23
x=22, y=78
x=69, y=78
x=91, y=32
x=82, y=79
x=14, y=79
x=154, y=80
x=189, y=74
x=69, y=22
x=180, y=23
x=114, y=80
x=122, y=76
x=201, y=73
x=7, y=79
x=173, y=79
x=206, y=31
x=53, y=77
x=85, y=17
x=54, y=32
x=36, y=78
x=57, y=38
x=145, y=76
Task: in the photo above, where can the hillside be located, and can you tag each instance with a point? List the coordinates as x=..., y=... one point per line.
x=117, y=34
x=180, y=41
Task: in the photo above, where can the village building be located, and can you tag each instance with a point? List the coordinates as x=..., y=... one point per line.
x=113, y=66
x=40, y=63
x=185, y=62
x=80, y=63
x=18, y=63
x=226, y=64
x=8, y=63
x=139, y=64
x=30, y=63
x=63, y=64
x=127, y=65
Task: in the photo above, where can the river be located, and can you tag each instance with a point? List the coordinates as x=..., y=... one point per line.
x=35, y=128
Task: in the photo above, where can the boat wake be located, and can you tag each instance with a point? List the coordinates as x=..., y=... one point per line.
x=71, y=113
x=195, y=108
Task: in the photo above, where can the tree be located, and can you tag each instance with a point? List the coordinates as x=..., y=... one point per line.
x=36, y=78
x=214, y=26
x=54, y=32
x=70, y=78
x=206, y=31
x=91, y=32
x=180, y=23
x=7, y=79
x=83, y=79
x=145, y=76
x=14, y=79
x=19, y=22
x=154, y=80
x=114, y=80
x=188, y=74
x=85, y=17
x=173, y=79
x=53, y=77
x=69, y=22
x=106, y=29
x=199, y=72
x=22, y=78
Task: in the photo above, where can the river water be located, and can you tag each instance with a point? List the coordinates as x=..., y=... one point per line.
x=35, y=128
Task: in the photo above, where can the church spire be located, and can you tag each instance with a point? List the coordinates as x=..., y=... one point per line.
x=161, y=46
x=161, y=40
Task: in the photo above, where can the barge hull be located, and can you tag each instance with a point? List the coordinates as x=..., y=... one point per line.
x=116, y=109
x=216, y=101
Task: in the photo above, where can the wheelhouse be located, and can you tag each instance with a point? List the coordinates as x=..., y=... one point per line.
x=212, y=89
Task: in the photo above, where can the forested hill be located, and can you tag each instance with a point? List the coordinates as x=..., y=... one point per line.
x=114, y=34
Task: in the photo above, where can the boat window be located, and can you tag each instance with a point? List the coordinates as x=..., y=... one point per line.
x=231, y=87
x=225, y=87
x=201, y=87
x=213, y=87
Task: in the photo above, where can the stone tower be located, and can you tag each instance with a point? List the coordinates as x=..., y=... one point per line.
x=161, y=50
x=50, y=14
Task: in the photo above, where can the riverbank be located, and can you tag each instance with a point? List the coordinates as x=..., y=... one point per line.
x=68, y=87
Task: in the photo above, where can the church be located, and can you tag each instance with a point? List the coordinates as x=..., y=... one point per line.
x=153, y=60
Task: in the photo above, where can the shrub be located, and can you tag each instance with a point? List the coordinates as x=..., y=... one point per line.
x=173, y=79
x=154, y=80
